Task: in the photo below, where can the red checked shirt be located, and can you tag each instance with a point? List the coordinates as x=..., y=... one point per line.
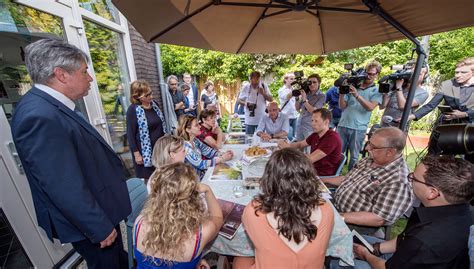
x=384, y=191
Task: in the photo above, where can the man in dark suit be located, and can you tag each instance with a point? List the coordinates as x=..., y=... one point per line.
x=75, y=177
x=192, y=94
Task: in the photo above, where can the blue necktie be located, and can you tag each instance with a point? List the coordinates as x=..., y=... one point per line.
x=80, y=114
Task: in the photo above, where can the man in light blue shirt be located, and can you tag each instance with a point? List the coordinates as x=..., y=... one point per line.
x=273, y=125
x=357, y=107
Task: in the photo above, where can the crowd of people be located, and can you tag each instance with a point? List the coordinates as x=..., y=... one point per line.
x=80, y=195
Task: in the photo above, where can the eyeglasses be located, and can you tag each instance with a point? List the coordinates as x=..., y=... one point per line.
x=411, y=177
x=146, y=95
x=173, y=84
x=371, y=74
x=372, y=146
x=314, y=81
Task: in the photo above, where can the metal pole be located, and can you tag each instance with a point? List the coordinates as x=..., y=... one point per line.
x=170, y=117
x=376, y=9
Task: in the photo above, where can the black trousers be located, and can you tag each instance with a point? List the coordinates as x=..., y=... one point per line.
x=113, y=256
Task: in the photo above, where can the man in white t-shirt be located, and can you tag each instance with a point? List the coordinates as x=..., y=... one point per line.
x=287, y=102
x=254, y=97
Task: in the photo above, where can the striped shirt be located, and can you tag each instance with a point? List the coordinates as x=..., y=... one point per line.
x=194, y=154
x=384, y=191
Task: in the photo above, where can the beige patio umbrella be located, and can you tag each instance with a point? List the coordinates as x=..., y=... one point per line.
x=295, y=26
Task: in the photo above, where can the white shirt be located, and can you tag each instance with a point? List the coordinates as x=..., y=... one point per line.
x=268, y=126
x=290, y=108
x=250, y=95
x=57, y=95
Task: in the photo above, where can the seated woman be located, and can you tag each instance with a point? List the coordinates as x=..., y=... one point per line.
x=290, y=230
x=168, y=149
x=189, y=129
x=174, y=227
x=211, y=133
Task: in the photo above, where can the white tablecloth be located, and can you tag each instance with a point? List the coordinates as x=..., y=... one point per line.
x=340, y=244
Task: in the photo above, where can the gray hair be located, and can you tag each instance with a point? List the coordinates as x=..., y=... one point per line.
x=171, y=77
x=44, y=55
x=393, y=137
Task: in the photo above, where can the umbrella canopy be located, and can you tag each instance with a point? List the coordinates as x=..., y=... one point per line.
x=294, y=26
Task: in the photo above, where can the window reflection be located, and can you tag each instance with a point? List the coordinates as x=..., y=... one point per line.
x=103, y=8
x=20, y=26
x=110, y=67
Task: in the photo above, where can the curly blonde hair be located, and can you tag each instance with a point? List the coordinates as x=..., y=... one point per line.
x=173, y=212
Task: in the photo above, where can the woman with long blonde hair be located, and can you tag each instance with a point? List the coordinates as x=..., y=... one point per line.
x=174, y=226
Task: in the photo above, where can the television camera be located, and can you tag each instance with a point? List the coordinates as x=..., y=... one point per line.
x=350, y=78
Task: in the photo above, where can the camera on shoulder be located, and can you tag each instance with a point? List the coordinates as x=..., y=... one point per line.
x=402, y=71
x=300, y=84
x=350, y=78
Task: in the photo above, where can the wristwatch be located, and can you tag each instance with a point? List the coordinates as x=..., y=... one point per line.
x=398, y=89
x=304, y=101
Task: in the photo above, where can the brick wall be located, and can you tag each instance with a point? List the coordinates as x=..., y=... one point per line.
x=145, y=62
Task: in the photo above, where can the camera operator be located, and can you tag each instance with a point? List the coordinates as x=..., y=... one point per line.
x=288, y=101
x=254, y=97
x=457, y=93
x=306, y=104
x=332, y=99
x=394, y=101
x=357, y=107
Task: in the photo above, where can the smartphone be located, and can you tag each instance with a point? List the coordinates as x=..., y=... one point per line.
x=445, y=109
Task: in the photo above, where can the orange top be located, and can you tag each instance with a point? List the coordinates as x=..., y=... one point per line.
x=272, y=252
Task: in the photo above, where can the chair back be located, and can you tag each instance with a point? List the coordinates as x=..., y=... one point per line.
x=341, y=164
x=137, y=192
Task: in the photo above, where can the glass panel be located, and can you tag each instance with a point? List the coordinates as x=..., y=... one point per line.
x=20, y=26
x=12, y=254
x=113, y=80
x=103, y=8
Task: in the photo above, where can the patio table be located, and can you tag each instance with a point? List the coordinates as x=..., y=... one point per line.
x=340, y=244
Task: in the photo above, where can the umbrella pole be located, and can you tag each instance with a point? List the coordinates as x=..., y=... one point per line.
x=376, y=9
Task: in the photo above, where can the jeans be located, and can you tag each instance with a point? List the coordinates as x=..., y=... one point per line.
x=250, y=129
x=291, y=133
x=352, y=139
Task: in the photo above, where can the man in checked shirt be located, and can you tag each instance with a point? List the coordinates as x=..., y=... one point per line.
x=376, y=191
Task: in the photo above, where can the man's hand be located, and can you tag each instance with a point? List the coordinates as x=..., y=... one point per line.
x=265, y=137
x=283, y=144
x=303, y=96
x=353, y=91
x=398, y=83
x=261, y=90
x=109, y=240
x=361, y=252
x=456, y=114
x=138, y=157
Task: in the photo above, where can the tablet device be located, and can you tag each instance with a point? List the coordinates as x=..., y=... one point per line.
x=358, y=239
x=445, y=109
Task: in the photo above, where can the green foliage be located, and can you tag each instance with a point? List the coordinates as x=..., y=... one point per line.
x=445, y=50
x=104, y=53
x=450, y=47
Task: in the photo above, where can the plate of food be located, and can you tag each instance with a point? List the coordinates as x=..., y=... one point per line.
x=256, y=151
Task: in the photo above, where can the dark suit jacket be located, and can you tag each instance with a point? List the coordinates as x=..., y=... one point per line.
x=75, y=177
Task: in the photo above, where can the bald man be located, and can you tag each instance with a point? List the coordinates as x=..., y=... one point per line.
x=273, y=125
